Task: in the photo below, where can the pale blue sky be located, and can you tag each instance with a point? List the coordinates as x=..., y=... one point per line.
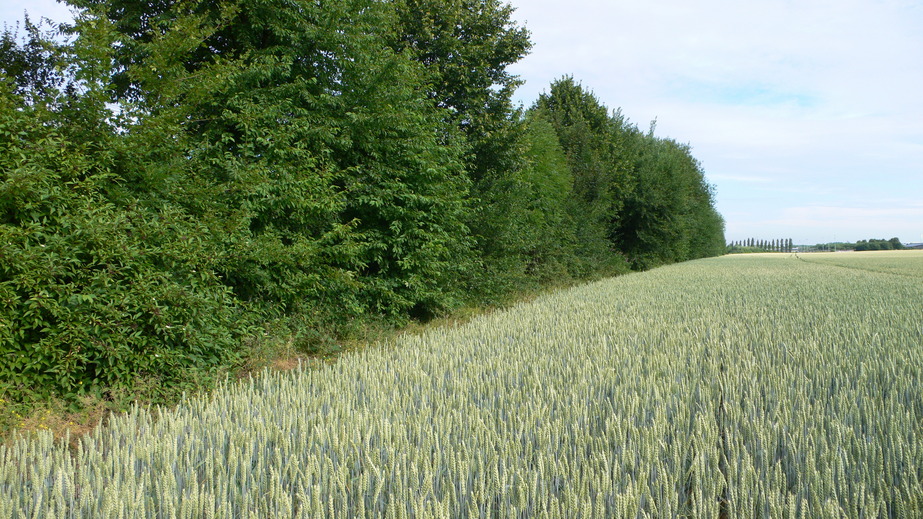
x=807, y=115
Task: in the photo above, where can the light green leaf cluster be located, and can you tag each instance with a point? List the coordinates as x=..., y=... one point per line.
x=748, y=386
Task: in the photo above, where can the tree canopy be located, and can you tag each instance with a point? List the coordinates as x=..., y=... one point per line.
x=178, y=174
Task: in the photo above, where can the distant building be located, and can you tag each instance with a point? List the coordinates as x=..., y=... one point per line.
x=913, y=245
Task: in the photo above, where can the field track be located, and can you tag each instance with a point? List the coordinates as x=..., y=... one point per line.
x=764, y=385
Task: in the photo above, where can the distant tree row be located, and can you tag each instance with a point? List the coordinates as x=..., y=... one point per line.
x=176, y=175
x=874, y=244
x=756, y=245
x=861, y=245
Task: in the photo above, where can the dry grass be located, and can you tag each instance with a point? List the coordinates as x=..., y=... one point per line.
x=66, y=422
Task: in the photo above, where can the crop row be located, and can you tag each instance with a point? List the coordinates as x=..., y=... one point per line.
x=728, y=387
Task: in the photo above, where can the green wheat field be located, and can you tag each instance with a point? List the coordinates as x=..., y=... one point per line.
x=764, y=385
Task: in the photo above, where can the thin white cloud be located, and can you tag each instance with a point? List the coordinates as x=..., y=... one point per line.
x=820, y=99
x=793, y=215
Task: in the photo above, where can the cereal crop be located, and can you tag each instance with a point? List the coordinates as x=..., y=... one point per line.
x=774, y=386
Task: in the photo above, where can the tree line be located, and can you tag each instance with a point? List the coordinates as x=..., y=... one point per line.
x=176, y=175
x=879, y=244
x=757, y=245
x=861, y=245
x=786, y=245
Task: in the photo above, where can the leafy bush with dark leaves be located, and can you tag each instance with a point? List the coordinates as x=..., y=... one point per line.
x=94, y=296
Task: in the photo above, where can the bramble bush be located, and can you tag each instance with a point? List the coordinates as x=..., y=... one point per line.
x=94, y=295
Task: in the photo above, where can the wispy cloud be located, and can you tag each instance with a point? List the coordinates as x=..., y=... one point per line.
x=826, y=214
x=788, y=105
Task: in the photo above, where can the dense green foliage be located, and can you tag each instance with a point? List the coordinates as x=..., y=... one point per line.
x=177, y=174
x=873, y=244
x=635, y=195
x=97, y=288
x=759, y=386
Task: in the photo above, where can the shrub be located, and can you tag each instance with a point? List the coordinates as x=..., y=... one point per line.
x=94, y=295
